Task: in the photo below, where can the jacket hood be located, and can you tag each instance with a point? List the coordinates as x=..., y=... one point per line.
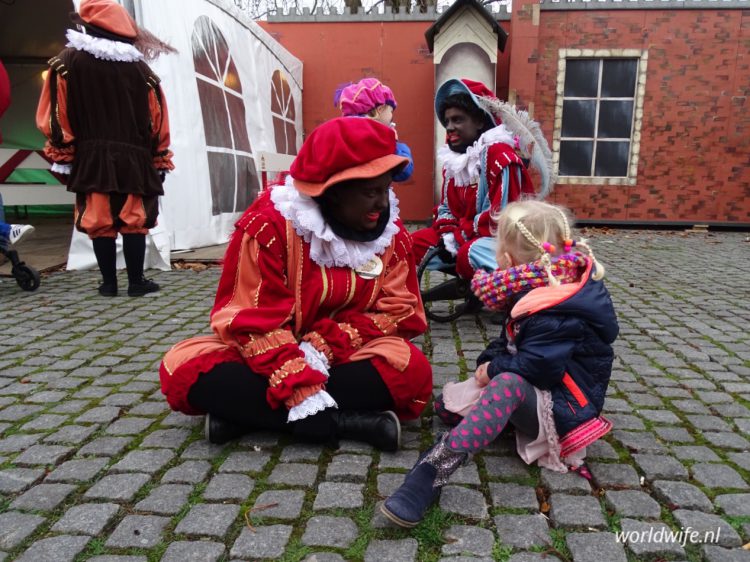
x=589, y=300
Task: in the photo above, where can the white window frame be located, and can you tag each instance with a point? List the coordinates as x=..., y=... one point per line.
x=284, y=118
x=635, y=134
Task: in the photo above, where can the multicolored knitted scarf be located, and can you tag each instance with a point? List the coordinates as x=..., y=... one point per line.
x=494, y=289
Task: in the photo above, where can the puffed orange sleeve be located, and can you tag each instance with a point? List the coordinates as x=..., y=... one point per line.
x=52, y=115
x=160, y=136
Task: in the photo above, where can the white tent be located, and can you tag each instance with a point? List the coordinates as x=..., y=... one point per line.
x=233, y=93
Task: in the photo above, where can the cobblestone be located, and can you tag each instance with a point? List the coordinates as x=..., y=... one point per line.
x=523, y=531
x=121, y=487
x=87, y=519
x=44, y=497
x=193, y=551
x=339, y=495
x=336, y=532
x=262, y=542
x=209, y=519
x=55, y=549
x=140, y=531
x=94, y=466
x=595, y=547
x=167, y=499
x=229, y=487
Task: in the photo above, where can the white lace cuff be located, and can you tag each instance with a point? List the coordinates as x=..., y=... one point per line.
x=61, y=168
x=449, y=241
x=311, y=406
x=316, y=359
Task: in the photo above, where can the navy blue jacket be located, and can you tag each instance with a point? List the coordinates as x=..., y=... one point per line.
x=562, y=337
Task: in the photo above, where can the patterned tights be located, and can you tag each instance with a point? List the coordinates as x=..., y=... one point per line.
x=504, y=395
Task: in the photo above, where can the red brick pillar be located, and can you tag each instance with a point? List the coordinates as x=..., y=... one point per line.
x=524, y=55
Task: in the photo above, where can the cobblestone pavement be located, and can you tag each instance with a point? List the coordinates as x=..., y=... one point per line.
x=93, y=466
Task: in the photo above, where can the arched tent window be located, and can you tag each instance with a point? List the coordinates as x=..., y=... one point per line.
x=282, y=109
x=234, y=180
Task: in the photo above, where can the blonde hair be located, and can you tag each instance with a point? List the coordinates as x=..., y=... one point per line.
x=531, y=231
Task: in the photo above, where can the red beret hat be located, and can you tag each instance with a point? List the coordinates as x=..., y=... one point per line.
x=343, y=149
x=107, y=16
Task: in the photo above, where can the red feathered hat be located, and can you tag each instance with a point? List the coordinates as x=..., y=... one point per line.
x=475, y=90
x=345, y=148
x=106, y=18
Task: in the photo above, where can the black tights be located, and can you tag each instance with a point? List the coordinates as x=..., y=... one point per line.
x=233, y=392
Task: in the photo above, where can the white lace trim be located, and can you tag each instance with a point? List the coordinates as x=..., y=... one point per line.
x=463, y=168
x=61, y=168
x=326, y=248
x=101, y=48
x=312, y=405
x=316, y=359
x=547, y=419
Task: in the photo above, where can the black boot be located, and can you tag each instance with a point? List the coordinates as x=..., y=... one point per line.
x=407, y=505
x=106, y=259
x=382, y=430
x=134, y=250
x=219, y=431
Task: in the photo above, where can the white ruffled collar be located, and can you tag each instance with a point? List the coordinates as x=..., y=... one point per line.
x=102, y=48
x=463, y=168
x=326, y=248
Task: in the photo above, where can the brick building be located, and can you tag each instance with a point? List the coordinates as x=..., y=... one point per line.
x=644, y=102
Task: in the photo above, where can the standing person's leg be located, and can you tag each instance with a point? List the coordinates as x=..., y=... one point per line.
x=487, y=418
x=93, y=216
x=137, y=214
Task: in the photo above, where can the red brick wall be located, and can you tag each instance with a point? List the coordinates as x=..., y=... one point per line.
x=336, y=53
x=695, y=140
x=694, y=162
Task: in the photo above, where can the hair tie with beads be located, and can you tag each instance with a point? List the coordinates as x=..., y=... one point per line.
x=568, y=245
x=549, y=248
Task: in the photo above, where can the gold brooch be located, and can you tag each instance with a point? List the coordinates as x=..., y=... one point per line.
x=371, y=269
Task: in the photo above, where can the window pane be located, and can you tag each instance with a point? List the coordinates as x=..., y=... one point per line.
x=615, y=119
x=618, y=78
x=575, y=158
x=612, y=159
x=214, y=115
x=222, y=171
x=247, y=182
x=581, y=78
x=291, y=139
x=239, y=126
x=578, y=118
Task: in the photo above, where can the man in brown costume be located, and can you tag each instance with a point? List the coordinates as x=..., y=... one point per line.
x=105, y=117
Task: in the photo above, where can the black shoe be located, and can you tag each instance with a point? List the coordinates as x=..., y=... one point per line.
x=108, y=289
x=219, y=431
x=382, y=430
x=143, y=287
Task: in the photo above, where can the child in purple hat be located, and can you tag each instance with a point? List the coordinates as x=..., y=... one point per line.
x=371, y=98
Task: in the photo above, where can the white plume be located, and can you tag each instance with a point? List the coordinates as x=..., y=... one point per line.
x=530, y=135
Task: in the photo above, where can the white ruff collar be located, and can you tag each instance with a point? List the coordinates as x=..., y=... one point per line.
x=463, y=168
x=326, y=248
x=101, y=48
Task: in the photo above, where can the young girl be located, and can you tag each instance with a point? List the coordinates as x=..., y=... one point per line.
x=371, y=98
x=548, y=371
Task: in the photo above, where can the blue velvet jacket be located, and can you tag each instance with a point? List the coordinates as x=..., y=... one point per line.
x=560, y=339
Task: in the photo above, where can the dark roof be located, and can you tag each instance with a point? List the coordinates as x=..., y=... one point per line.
x=434, y=29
